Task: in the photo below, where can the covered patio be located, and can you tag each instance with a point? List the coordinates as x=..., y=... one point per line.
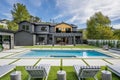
x=7, y=39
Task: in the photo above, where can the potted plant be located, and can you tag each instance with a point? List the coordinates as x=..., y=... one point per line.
x=61, y=68
x=61, y=74
x=106, y=69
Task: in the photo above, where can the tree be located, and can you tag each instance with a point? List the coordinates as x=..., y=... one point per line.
x=84, y=34
x=104, y=32
x=34, y=19
x=1, y=26
x=12, y=26
x=98, y=27
x=20, y=13
x=117, y=34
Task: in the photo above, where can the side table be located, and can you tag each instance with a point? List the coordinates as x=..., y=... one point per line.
x=61, y=75
x=16, y=75
x=106, y=75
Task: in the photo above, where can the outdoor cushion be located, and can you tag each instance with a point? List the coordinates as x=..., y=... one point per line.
x=86, y=71
x=115, y=69
x=6, y=69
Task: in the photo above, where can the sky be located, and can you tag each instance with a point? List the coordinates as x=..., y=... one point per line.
x=70, y=11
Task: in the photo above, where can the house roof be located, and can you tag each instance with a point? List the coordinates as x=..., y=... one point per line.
x=23, y=31
x=48, y=24
x=24, y=21
x=72, y=25
x=6, y=31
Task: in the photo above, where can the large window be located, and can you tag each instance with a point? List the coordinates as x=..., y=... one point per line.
x=25, y=27
x=58, y=30
x=68, y=30
x=43, y=28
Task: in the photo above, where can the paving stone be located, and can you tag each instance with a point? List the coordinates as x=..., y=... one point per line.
x=71, y=62
x=113, y=61
x=6, y=61
x=26, y=62
x=52, y=62
x=96, y=62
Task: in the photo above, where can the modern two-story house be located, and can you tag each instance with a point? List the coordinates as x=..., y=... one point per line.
x=30, y=33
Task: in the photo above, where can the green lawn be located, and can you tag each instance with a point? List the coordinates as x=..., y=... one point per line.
x=52, y=75
x=66, y=46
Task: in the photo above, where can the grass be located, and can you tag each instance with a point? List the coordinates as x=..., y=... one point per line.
x=77, y=46
x=53, y=74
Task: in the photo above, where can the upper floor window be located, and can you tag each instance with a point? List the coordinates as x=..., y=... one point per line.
x=25, y=27
x=58, y=29
x=68, y=30
x=43, y=28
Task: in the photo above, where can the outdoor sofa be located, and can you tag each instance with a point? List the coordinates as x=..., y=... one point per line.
x=115, y=69
x=40, y=71
x=6, y=69
x=115, y=50
x=86, y=71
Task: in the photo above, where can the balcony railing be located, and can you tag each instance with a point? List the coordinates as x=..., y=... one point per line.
x=70, y=32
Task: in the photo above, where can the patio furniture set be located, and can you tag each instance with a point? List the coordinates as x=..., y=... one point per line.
x=42, y=71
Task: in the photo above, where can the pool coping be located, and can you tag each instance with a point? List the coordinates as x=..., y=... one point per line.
x=98, y=50
x=116, y=56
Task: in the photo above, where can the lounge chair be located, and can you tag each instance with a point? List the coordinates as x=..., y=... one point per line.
x=6, y=69
x=115, y=69
x=106, y=47
x=115, y=50
x=40, y=71
x=86, y=71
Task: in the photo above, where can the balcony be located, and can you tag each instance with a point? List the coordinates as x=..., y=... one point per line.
x=64, y=34
x=68, y=32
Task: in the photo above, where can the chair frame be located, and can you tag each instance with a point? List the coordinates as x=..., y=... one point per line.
x=39, y=70
x=87, y=72
x=113, y=69
x=9, y=67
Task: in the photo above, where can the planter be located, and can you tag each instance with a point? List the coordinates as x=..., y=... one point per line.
x=15, y=75
x=61, y=75
x=106, y=75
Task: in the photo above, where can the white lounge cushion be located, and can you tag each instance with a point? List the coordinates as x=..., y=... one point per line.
x=115, y=69
x=38, y=71
x=6, y=69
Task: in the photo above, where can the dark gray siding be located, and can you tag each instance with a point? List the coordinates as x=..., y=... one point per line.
x=52, y=29
x=31, y=26
x=23, y=38
x=38, y=29
x=74, y=29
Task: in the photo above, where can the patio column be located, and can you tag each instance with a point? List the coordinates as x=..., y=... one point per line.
x=11, y=41
x=74, y=40
x=70, y=40
x=53, y=40
x=0, y=39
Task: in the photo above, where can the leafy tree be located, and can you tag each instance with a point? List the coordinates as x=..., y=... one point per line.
x=98, y=27
x=34, y=19
x=20, y=13
x=117, y=34
x=104, y=32
x=12, y=26
x=1, y=26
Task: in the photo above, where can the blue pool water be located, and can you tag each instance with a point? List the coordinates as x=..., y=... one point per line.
x=63, y=53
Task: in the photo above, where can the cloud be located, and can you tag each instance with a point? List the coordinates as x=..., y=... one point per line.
x=36, y=3
x=116, y=26
x=81, y=10
x=58, y=16
x=8, y=16
x=11, y=2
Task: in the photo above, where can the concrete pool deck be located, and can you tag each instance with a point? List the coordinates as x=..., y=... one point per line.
x=5, y=58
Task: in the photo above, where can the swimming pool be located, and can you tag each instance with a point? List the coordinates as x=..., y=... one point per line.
x=62, y=54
